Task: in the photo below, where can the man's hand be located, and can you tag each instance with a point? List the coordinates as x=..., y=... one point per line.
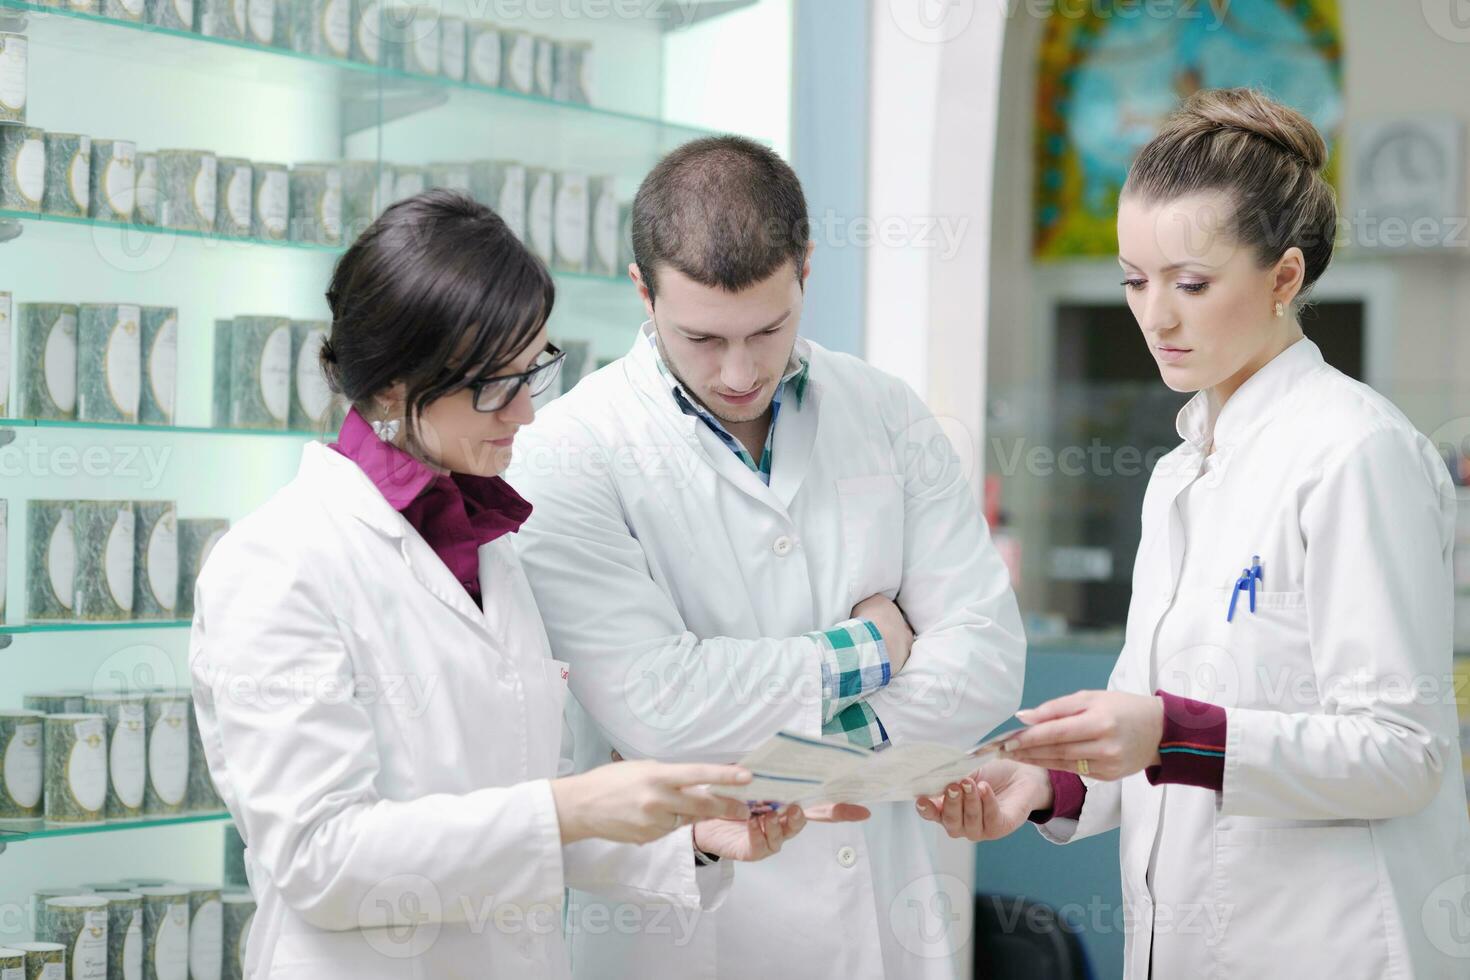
x=898, y=636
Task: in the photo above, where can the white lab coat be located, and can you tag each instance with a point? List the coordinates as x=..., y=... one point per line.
x=679, y=587
x=407, y=830
x=1339, y=847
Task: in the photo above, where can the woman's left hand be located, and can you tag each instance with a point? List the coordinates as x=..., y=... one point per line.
x=1117, y=733
x=763, y=834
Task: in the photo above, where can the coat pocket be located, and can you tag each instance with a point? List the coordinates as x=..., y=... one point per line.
x=1311, y=886
x=872, y=534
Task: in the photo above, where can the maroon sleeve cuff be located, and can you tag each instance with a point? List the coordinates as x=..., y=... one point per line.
x=1068, y=793
x=1193, y=746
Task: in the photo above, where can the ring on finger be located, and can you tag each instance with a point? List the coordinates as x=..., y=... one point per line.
x=1082, y=769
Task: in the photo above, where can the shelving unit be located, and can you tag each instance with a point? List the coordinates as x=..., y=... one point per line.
x=162, y=88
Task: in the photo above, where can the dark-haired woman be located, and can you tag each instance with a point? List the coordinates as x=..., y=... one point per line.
x=375, y=691
x=1278, y=740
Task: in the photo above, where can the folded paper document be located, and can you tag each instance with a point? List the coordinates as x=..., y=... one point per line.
x=791, y=768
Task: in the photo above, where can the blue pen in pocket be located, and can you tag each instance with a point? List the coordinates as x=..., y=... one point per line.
x=1246, y=583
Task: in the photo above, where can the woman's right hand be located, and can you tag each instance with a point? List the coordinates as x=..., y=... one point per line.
x=991, y=802
x=639, y=801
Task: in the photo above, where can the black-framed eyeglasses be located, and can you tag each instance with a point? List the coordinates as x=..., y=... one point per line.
x=493, y=394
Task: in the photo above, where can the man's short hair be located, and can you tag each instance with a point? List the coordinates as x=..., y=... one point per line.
x=724, y=210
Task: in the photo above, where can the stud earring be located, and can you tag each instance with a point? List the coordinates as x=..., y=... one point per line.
x=1280, y=308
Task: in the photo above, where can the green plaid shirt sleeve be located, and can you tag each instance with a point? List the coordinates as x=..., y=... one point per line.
x=854, y=665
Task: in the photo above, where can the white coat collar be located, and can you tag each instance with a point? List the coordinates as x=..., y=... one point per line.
x=349, y=491
x=1202, y=423
x=644, y=357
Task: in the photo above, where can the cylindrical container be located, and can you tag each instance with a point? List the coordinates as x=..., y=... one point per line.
x=145, y=196
x=518, y=61
x=68, y=701
x=483, y=54
x=68, y=175
x=51, y=562
x=311, y=399
x=160, y=357
x=603, y=256
x=44, y=961
x=316, y=203
x=197, y=538
x=188, y=189
x=7, y=335
x=573, y=218
x=540, y=223
x=109, y=362
x=450, y=176
x=257, y=368
x=222, y=391
x=106, y=537
x=236, y=187
x=501, y=186
x=220, y=18
x=453, y=48
x=156, y=560
x=270, y=202
x=134, y=884
x=367, y=188
x=366, y=44
x=235, y=877
x=4, y=548
x=134, y=10
x=13, y=73
x=80, y=924
x=47, y=356
x=12, y=963
x=625, y=235
x=76, y=768
x=411, y=36
x=113, y=188
x=206, y=932
x=176, y=14
x=239, y=911
x=284, y=24
x=323, y=28
x=573, y=72
x=127, y=751
x=260, y=21
x=41, y=895
x=167, y=787
x=203, y=794
x=22, y=168
x=124, y=934
x=22, y=758
x=545, y=67
x=409, y=182
x=165, y=932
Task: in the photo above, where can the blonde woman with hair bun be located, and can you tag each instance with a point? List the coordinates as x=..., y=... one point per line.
x=1278, y=741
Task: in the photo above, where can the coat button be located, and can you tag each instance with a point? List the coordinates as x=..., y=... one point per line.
x=847, y=857
x=504, y=673
x=782, y=546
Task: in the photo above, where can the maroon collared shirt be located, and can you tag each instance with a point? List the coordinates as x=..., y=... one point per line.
x=456, y=513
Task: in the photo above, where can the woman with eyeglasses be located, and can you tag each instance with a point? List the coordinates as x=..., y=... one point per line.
x=375, y=691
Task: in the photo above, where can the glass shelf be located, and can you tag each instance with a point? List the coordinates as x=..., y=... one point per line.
x=54, y=222
x=14, y=629
x=246, y=60
x=161, y=429
x=12, y=832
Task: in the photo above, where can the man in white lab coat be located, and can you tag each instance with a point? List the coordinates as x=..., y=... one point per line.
x=737, y=531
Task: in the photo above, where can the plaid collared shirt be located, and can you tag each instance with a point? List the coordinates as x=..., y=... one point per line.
x=854, y=658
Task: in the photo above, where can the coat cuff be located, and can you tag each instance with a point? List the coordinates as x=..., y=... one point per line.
x=854, y=664
x=1068, y=792
x=1193, y=747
